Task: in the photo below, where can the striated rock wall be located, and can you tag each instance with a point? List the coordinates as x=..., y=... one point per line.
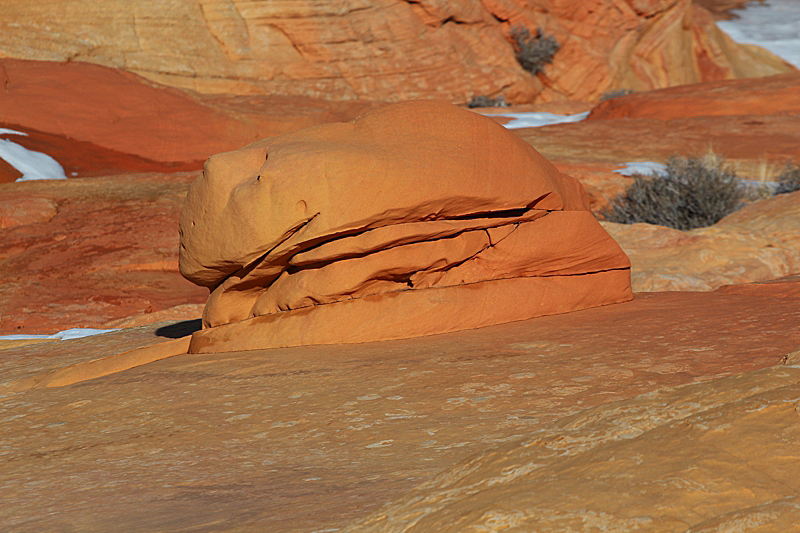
x=386, y=50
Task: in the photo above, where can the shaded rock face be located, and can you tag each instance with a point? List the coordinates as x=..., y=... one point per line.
x=414, y=219
x=388, y=50
x=314, y=438
x=82, y=158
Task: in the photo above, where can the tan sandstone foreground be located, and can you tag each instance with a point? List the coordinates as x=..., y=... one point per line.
x=315, y=438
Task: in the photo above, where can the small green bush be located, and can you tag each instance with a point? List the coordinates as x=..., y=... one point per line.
x=789, y=179
x=487, y=101
x=533, y=51
x=694, y=193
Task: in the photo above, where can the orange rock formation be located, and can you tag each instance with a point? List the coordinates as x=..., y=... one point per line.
x=387, y=50
x=764, y=96
x=99, y=121
x=415, y=219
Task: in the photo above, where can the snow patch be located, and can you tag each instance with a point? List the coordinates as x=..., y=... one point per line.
x=32, y=165
x=642, y=167
x=537, y=120
x=5, y=131
x=66, y=335
x=774, y=25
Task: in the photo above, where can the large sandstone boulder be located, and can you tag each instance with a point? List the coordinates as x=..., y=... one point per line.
x=386, y=50
x=415, y=219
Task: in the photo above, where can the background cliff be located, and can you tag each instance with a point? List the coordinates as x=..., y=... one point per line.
x=386, y=50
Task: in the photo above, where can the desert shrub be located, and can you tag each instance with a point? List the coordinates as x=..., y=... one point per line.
x=487, y=101
x=693, y=193
x=615, y=93
x=789, y=179
x=533, y=51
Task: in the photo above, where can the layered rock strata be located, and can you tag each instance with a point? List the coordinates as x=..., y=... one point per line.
x=415, y=219
x=387, y=50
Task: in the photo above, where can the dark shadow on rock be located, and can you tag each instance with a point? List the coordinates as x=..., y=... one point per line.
x=180, y=329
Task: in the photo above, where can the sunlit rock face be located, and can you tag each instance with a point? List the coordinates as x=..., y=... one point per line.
x=387, y=50
x=414, y=219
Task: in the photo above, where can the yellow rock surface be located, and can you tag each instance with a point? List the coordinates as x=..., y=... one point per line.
x=313, y=438
x=717, y=456
x=386, y=50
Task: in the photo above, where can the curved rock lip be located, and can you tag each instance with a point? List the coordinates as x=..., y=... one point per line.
x=414, y=219
x=759, y=96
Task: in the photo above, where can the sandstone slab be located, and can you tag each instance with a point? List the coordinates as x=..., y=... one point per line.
x=716, y=456
x=416, y=218
x=96, y=120
x=761, y=96
x=313, y=438
x=83, y=252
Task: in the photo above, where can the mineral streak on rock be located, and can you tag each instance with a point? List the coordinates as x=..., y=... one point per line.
x=415, y=219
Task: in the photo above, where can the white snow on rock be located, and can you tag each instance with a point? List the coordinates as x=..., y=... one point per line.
x=537, y=120
x=33, y=165
x=774, y=25
x=6, y=131
x=642, y=167
x=67, y=334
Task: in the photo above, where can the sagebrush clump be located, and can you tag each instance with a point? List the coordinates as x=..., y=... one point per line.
x=615, y=93
x=487, y=101
x=789, y=179
x=533, y=51
x=693, y=193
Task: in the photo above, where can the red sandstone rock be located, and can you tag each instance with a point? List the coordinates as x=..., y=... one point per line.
x=761, y=96
x=415, y=219
x=98, y=121
x=83, y=252
x=641, y=465
x=388, y=50
x=82, y=158
x=721, y=9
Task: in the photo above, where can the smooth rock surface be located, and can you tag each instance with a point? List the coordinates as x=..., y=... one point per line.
x=313, y=438
x=712, y=457
x=388, y=50
x=762, y=96
x=96, y=120
x=417, y=218
x=759, y=242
